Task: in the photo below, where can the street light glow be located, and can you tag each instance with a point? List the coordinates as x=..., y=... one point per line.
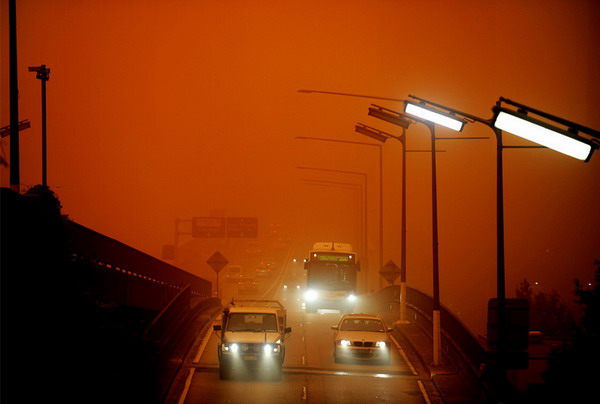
x=431, y=115
x=542, y=133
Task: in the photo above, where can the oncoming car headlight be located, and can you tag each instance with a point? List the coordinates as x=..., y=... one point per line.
x=381, y=344
x=311, y=295
x=345, y=342
x=351, y=297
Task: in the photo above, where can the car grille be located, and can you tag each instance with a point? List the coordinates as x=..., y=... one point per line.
x=252, y=347
x=366, y=344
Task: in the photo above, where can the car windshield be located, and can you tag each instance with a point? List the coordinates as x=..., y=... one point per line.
x=362, y=324
x=252, y=322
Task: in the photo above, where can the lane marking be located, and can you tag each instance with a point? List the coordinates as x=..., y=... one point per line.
x=425, y=395
x=403, y=354
x=205, y=341
x=186, y=387
x=291, y=370
x=303, y=393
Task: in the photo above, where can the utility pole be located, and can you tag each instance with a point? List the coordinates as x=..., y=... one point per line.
x=15, y=176
x=44, y=75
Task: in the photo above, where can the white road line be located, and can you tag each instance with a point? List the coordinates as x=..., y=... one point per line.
x=303, y=361
x=303, y=393
x=425, y=396
x=204, y=342
x=186, y=387
x=403, y=354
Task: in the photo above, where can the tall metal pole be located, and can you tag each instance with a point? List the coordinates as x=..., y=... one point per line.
x=44, y=75
x=15, y=176
x=44, y=149
x=500, y=270
x=436, y=271
x=380, y=210
x=403, y=297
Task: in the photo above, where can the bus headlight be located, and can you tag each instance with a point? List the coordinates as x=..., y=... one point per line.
x=310, y=295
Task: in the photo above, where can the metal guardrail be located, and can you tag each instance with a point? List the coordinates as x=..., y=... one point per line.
x=458, y=343
x=454, y=332
x=101, y=250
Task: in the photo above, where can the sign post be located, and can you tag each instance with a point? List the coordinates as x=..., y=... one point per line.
x=390, y=272
x=217, y=262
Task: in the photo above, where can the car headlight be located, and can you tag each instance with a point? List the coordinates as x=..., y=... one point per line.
x=381, y=344
x=351, y=297
x=345, y=342
x=311, y=295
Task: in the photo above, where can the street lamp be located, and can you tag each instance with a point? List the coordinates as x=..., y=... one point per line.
x=432, y=117
x=380, y=184
x=504, y=119
x=43, y=74
x=568, y=142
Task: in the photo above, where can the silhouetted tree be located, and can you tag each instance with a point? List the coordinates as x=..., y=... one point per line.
x=546, y=312
x=572, y=374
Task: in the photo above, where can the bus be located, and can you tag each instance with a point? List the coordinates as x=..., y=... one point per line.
x=331, y=277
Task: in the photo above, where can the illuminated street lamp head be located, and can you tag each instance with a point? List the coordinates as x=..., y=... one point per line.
x=372, y=132
x=388, y=115
x=433, y=115
x=566, y=142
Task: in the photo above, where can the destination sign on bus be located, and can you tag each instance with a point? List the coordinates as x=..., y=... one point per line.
x=333, y=257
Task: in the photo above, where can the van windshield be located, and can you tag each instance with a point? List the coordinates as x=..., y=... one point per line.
x=254, y=322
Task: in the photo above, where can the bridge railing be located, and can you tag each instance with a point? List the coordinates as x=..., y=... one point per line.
x=460, y=348
x=100, y=250
x=454, y=331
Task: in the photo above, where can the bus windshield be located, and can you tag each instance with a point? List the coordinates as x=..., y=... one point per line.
x=332, y=276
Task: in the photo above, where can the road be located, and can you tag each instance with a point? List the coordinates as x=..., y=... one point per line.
x=310, y=374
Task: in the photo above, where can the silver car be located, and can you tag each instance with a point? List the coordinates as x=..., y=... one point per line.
x=361, y=337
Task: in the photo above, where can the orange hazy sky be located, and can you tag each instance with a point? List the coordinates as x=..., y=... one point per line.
x=173, y=109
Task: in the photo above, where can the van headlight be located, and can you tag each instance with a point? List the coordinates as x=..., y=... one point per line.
x=311, y=295
x=231, y=347
x=271, y=348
